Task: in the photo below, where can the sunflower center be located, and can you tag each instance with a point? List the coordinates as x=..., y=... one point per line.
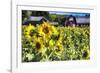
x=85, y=54
x=38, y=45
x=46, y=30
x=31, y=33
x=58, y=49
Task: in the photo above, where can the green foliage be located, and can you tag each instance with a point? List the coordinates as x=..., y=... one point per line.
x=64, y=43
x=52, y=17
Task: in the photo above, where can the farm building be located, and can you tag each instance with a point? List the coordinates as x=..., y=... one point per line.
x=34, y=20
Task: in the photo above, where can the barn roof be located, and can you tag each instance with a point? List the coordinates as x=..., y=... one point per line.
x=33, y=18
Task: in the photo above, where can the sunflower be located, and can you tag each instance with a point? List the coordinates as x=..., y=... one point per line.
x=85, y=53
x=38, y=44
x=45, y=30
x=54, y=30
x=60, y=37
x=59, y=49
x=51, y=43
x=28, y=30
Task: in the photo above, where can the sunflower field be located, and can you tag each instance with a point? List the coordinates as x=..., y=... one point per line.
x=46, y=42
